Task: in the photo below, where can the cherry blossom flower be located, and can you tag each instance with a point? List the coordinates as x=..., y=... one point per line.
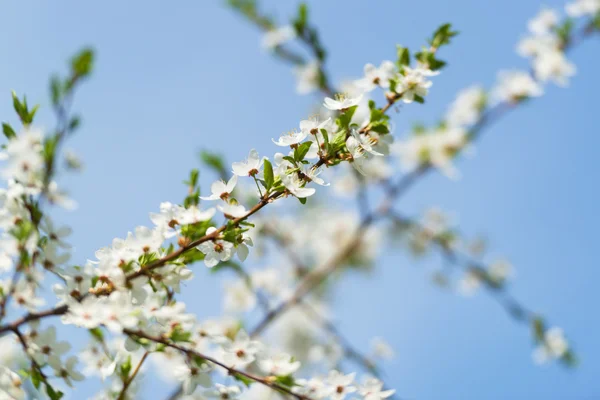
x=377, y=76
x=372, y=389
x=241, y=351
x=515, y=85
x=232, y=210
x=221, y=190
x=281, y=364
x=69, y=371
x=278, y=36
x=215, y=251
x=413, y=82
x=296, y=185
x=308, y=76
x=249, y=167
x=544, y=22
x=192, y=376
x=291, y=138
x=340, y=385
x=223, y=392
x=580, y=8
x=554, y=346
x=342, y=102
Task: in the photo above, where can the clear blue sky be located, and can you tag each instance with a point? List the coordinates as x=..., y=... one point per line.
x=174, y=77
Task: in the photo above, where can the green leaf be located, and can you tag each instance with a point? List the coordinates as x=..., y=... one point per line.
x=290, y=159
x=564, y=30
x=268, y=174
x=36, y=378
x=126, y=368
x=286, y=380
x=380, y=128
x=97, y=334
x=301, y=19
x=82, y=63
x=179, y=335
x=8, y=131
x=52, y=393
x=403, y=56
x=214, y=161
x=241, y=378
x=344, y=119
x=325, y=136
x=302, y=200
x=419, y=99
x=442, y=36
x=301, y=151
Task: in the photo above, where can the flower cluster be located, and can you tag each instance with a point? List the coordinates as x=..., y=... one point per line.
x=545, y=48
x=127, y=296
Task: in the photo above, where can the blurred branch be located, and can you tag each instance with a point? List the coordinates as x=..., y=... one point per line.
x=307, y=35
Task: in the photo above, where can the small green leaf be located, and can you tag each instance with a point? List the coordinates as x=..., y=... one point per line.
x=52, y=393
x=214, y=161
x=179, y=335
x=8, y=131
x=403, y=56
x=325, y=136
x=301, y=151
x=286, y=380
x=97, y=334
x=126, y=368
x=241, y=378
x=82, y=63
x=442, y=36
x=36, y=378
x=268, y=174
x=290, y=159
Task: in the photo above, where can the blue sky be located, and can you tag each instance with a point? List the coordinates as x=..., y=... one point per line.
x=174, y=77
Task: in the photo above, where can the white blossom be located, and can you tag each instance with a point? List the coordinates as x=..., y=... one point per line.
x=278, y=36
x=544, y=22
x=553, y=65
x=580, y=8
x=296, y=185
x=413, y=82
x=249, y=167
x=281, y=364
x=553, y=346
x=377, y=76
x=372, y=389
x=466, y=108
x=216, y=250
x=307, y=77
x=342, y=102
x=241, y=351
x=291, y=138
x=221, y=190
x=191, y=377
x=515, y=85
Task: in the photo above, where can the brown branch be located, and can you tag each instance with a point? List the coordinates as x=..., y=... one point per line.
x=15, y=325
x=128, y=382
x=266, y=381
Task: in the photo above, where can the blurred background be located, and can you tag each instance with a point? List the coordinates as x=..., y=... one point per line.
x=172, y=78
